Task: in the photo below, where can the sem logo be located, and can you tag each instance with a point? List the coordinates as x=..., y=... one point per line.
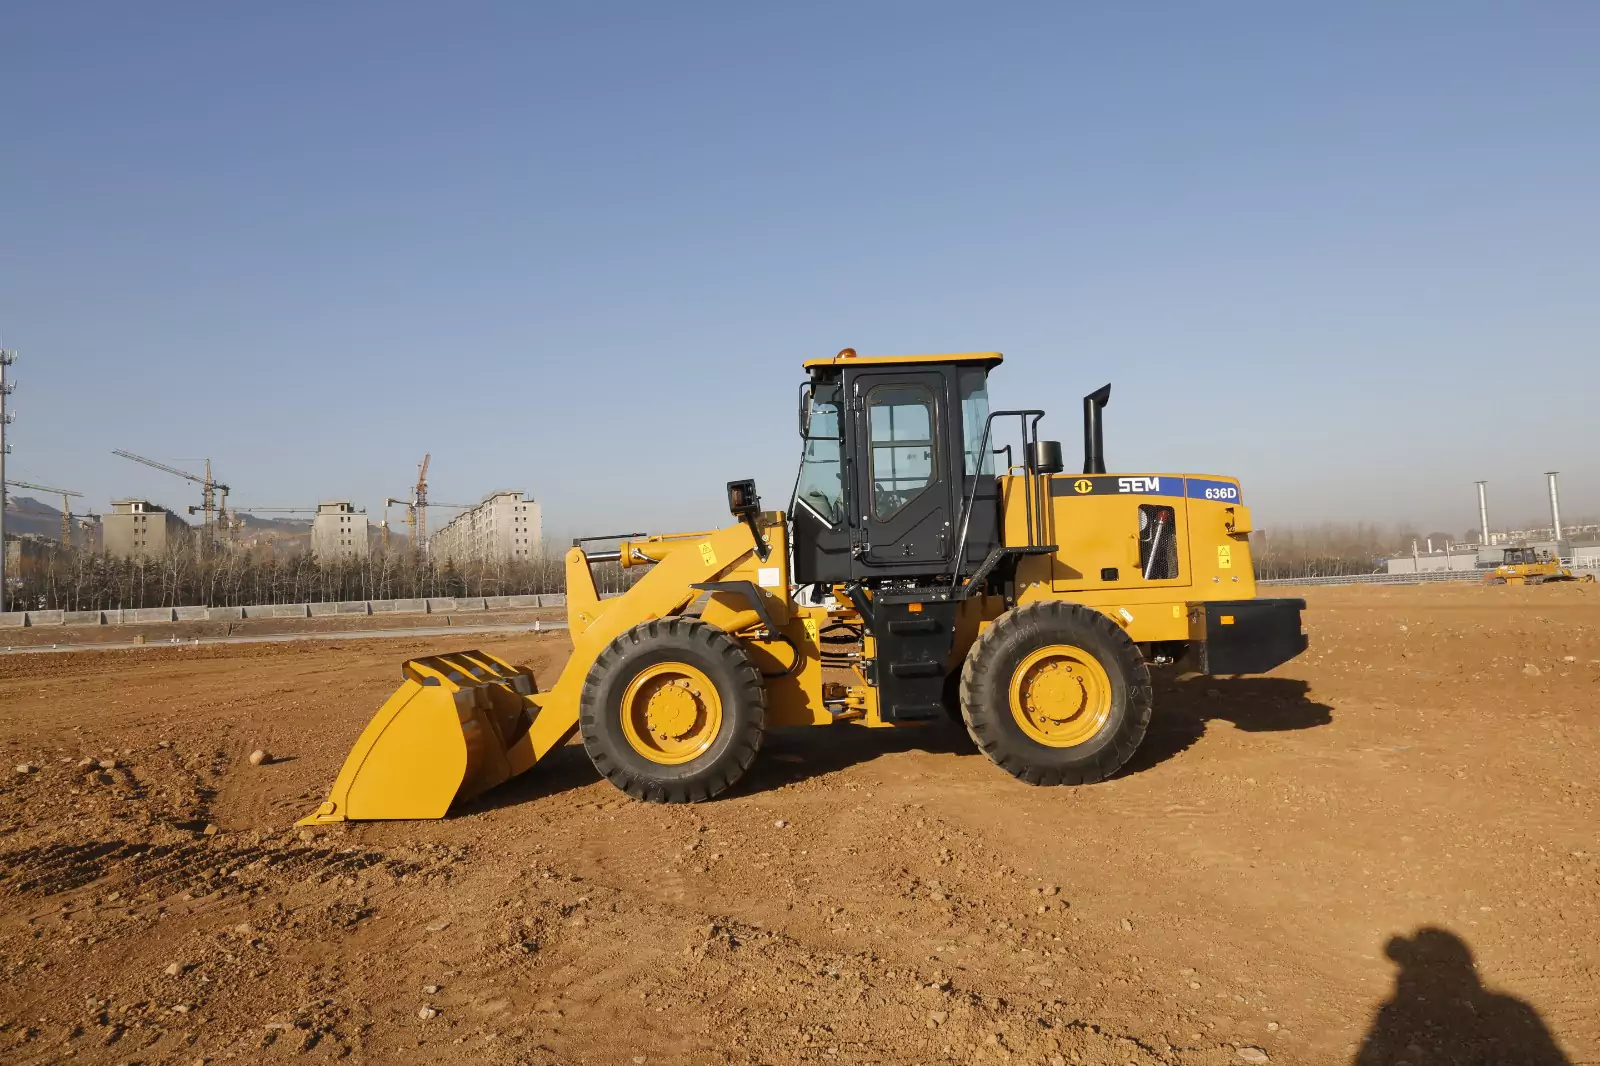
x=1138, y=484
x=1081, y=485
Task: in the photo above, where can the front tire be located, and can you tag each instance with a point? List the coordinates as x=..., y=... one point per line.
x=673, y=711
x=1056, y=693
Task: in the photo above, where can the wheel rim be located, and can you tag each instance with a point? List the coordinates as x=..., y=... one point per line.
x=1060, y=696
x=671, y=713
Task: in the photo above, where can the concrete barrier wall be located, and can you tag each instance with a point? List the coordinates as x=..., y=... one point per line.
x=154, y=615
x=323, y=610
x=149, y=614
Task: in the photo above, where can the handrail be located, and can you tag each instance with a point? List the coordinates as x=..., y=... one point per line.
x=972, y=496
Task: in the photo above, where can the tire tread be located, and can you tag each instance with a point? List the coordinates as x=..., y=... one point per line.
x=1034, y=624
x=746, y=704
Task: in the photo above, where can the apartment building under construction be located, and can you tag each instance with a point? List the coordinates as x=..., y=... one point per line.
x=505, y=526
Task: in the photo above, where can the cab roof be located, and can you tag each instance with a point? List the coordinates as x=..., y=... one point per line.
x=848, y=357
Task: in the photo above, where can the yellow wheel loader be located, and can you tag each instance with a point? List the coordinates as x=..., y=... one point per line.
x=912, y=576
x=1530, y=566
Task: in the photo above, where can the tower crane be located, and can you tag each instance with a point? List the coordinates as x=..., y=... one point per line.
x=66, y=508
x=387, y=503
x=411, y=516
x=419, y=505
x=210, y=489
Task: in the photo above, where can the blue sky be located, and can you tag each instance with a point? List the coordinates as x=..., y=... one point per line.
x=1350, y=254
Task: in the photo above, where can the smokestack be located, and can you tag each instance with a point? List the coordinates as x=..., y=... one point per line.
x=1094, y=444
x=1555, y=506
x=1483, y=514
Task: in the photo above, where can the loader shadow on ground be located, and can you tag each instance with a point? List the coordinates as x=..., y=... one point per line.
x=1184, y=708
x=791, y=755
x=787, y=755
x=566, y=768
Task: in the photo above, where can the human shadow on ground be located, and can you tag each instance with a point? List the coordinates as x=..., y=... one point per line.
x=1183, y=709
x=1441, y=1012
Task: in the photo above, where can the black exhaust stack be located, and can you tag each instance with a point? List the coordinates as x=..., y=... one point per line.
x=1094, y=443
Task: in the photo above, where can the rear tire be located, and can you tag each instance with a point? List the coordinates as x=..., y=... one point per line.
x=673, y=711
x=1056, y=693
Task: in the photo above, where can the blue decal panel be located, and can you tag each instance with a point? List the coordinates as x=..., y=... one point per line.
x=1222, y=491
x=1115, y=485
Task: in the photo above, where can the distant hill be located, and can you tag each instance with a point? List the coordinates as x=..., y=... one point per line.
x=255, y=523
x=24, y=514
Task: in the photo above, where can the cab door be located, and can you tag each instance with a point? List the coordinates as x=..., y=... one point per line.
x=902, y=481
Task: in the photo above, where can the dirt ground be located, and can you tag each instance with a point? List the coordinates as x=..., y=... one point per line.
x=1384, y=852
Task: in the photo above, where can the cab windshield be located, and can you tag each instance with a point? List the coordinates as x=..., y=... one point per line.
x=821, y=484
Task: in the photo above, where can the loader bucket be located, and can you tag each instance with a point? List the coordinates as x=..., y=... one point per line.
x=444, y=735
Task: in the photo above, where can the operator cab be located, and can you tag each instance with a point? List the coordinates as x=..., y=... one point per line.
x=894, y=457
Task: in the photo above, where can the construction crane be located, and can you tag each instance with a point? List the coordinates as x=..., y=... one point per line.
x=210, y=489
x=387, y=503
x=411, y=515
x=66, y=506
x=419, y=506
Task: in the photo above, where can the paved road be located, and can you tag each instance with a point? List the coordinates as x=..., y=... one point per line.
x=280, y=638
